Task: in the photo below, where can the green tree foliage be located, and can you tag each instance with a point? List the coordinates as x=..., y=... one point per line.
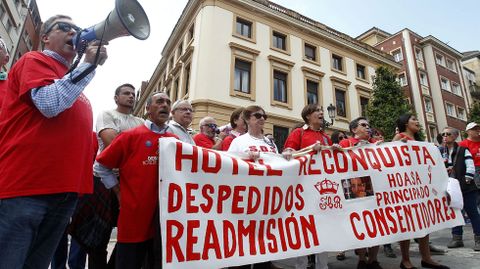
x=474, y=114
x=388, y=102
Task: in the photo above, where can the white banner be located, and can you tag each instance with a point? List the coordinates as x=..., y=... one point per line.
x=219, y=210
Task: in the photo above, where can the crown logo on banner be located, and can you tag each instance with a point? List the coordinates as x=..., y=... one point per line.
x=327, y=187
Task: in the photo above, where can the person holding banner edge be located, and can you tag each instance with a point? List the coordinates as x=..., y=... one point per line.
x=360, y=129
x=135, y=153
x=311, y=133
x=409, y=128
x=253, y=142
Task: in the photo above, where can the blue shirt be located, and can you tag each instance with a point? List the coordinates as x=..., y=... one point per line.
x=59, y=96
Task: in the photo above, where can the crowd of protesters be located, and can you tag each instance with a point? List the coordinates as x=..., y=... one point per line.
x=50, y=188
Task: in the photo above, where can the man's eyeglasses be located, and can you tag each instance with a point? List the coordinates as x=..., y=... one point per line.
x=366, y=125
x=212, y=125
x=260, y=115
x=64, y=26
x=185, y=109
x=446, y=134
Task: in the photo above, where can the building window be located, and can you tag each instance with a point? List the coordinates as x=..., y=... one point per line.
x=397, y=55
x=2, y=12
x=337, y=62
x=191, y=32
x=419, y=54
x=243, y=71
x=175, y=90
x=280, y=86
x=187, y=79
x=340, y=102
x=456, y=89
x=423, y=79
x=9, y=26
x=461, y=113
x=244, y=28
x=361, y=72
x=445, y=84
x=451, y=65
x=363, y=106
x=402, y=79
x=310, y=52
x=428, y=105
x=279, y=40
x=312, y=92
x=439, y=59
x=450, y=109
x=180, y=50
x=280, y=135
x=171, y=63
x=433, y=133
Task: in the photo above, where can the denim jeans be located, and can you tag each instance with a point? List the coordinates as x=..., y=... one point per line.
x=470, y=206
x=76, y=256
x=31, y=227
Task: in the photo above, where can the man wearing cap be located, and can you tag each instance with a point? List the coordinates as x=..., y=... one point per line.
x=207, y=137
x=4, y=58
x=473, y=144
x=182, y=116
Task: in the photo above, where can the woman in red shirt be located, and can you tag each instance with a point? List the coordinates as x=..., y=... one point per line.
x=409, y=130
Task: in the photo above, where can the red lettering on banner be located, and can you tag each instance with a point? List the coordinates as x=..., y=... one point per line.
x=302, y=161
x=387, y=163
x=192, y=240
x=277, y=200
x=312, y=171
x=174, y=191
x=427, y=156
x=417, y=149
x=237, y=198
x=328, y=169
x=408, y=159
x=267, y=200
x=217, y=159
x=224, y=193
x=253, y=170
x=179, y=157
x=270, y=171
x=190, y=198
x=249, y=232
x=173, y=246
x=309, y=225
x=358, y=159
x=234, y=166
x=298, y=193
x=260, y=238
x=272, y=246
x=211, y=241
x=399, y=157
x=375, y=164
x=389, y=211
x=207, y=192
x=353, y=216
x=229, y=248
x=337, y=161
x=254, y=198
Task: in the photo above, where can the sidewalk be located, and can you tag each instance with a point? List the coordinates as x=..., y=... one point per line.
x=459, y=258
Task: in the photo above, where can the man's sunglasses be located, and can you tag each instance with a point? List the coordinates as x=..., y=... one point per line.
x=446, y=134
x=260, y=115
x=64, y=26
x=366, y=125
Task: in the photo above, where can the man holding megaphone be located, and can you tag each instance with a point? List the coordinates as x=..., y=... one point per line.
x=46, y=145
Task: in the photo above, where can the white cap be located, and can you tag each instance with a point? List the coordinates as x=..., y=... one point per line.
x=471, y=125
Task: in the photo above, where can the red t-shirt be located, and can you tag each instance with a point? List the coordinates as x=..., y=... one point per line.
x=352, y=141
x=203, y=141
x=473, y=147
x=42, y=155
x=135, y=153
x=301, y=138
x=3, y=91
x=227, y=141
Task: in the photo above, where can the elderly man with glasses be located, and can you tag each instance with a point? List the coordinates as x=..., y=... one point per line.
x=46, y=146
x=207, y=138
x=182, y=116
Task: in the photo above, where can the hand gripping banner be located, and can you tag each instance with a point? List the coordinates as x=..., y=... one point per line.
x=219, y=210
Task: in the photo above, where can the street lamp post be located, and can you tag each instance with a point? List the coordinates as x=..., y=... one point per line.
x=332, y=111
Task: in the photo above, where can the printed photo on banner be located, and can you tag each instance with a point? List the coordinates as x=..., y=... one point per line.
x=357, y=187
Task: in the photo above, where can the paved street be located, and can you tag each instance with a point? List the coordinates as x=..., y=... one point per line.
x=461, y=258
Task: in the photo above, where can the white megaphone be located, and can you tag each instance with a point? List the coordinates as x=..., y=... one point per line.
x=127, y=18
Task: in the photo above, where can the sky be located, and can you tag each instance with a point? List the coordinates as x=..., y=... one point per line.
x=133, y=61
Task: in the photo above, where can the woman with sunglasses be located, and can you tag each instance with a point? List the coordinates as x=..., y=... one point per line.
x=311, y=133
x=409, y=130
x=253, y=142
x=338, y=136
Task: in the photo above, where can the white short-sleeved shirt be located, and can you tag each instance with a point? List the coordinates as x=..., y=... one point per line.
x=246, y=142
